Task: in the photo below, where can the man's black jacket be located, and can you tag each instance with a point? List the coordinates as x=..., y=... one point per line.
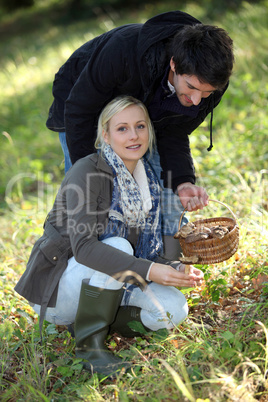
x=130, y=60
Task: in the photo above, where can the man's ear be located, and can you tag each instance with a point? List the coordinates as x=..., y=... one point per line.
x=172, y=64
x=105, y=136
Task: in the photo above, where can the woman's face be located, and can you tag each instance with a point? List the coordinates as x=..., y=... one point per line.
x=128, y=135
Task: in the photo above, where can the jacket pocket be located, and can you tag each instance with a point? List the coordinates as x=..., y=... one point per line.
x=44, y=262
x=50, y=251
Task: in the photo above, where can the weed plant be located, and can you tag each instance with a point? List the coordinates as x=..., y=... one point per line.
x=220, y=353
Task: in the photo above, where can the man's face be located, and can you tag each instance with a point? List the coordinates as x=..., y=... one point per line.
x=188, y=88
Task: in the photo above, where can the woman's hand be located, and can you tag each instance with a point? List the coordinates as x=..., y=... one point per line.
x=199, y=275
x=168, y=276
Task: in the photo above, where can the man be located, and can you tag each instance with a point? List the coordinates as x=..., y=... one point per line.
x=178, y=67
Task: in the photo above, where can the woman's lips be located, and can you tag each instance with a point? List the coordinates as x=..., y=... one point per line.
x=134, y=146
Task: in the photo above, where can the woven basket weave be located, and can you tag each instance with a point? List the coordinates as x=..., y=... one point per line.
x=211, y=251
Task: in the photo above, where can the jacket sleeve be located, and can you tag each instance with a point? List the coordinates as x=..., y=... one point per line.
x=84, y=205
x=100, y=81
x=175, y=156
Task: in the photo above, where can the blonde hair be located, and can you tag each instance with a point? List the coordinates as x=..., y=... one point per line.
x=116, y=106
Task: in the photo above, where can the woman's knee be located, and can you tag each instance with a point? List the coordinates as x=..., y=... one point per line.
x=164, y=307
x=119, y=243
x=174, y=310
x=180, y=308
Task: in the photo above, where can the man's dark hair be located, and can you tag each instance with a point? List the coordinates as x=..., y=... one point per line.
x=205, y=51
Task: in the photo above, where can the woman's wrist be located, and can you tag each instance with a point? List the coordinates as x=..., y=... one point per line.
x=148, y=273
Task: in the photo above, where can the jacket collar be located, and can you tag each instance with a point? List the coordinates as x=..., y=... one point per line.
x=102, y=164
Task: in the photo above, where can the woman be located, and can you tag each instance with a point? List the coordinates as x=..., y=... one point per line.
x=97, y=263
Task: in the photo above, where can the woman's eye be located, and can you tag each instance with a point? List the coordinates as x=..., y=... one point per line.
x=122, y=129
x=141, y=126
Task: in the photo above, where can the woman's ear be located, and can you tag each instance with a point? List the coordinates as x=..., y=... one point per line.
x=105, y=136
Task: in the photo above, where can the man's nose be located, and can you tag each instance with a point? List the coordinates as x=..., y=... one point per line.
x=196, y=97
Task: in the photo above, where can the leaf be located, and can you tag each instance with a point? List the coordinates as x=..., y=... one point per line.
x=215, y=295
x=228, y=352
x=175, y=343
x=238, y=346
x=6, y=330
x=60, y=362
x=228, y=336
x=77, y=367
x=161, y=334
x=51, y=329
x=66, y=371
x=138, y=327
x=195, y=374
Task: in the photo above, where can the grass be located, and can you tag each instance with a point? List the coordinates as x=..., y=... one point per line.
x=220, y=353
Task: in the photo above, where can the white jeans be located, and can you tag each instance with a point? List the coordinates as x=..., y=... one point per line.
x=161, y=306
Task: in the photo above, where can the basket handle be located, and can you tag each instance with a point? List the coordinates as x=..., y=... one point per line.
x=219, y=202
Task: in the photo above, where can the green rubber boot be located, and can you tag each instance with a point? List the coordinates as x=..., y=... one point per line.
x=125, y=316
x=96, y=311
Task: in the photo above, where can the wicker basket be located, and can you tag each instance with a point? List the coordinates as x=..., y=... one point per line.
x=213, y=250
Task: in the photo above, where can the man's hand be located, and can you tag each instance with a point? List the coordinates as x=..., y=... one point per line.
x=192, y=197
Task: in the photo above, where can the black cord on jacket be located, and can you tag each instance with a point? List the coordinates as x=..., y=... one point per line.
x=210, y=128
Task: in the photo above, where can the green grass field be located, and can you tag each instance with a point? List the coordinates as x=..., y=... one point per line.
x=220, y=353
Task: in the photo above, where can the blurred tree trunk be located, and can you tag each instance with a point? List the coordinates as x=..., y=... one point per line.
x=76, y=5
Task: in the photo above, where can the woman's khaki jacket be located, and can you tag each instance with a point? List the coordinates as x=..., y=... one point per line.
x=79, y=215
